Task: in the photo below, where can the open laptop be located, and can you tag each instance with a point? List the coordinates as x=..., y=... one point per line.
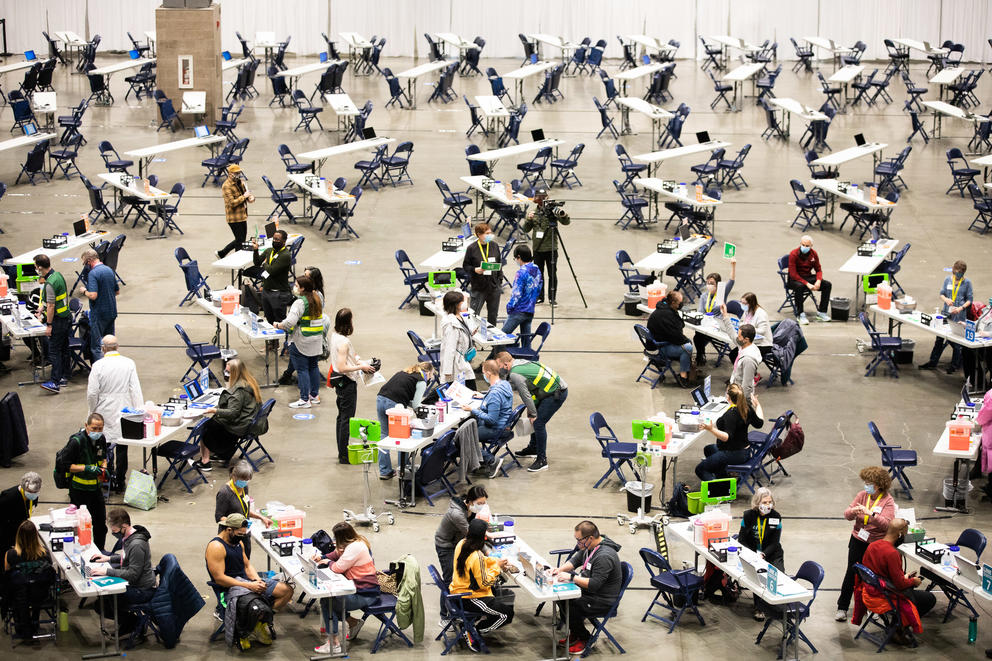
x=926, y=46
x=196, y=390
x=201, y=131
x=537, y=135
x=859, y=139
x=685, y=231
x=134, y=54
x=30, y=56
x=226, y=55
x=30, y=128
x=703, y=399
x=79, y=227
x=833, y=45
x=368, y=133
x=703, y=136
x=323, y=56
x=308, y=565
x=969, y=570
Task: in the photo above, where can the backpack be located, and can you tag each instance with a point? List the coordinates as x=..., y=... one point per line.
x=679, y=504
x=322, y=542
x=791, y=444
x=252, y=609
x=63, y=459
x=716, y=581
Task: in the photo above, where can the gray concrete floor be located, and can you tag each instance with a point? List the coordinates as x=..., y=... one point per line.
x=593, y=348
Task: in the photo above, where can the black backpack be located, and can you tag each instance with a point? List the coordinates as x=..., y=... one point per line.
x=63, y=459
x=252, y=609
x=679, y=504
x=322, y=542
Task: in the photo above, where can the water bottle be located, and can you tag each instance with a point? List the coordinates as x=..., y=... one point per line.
x=22, y=313
x=972, y=630
x=945, y=560
x=307, y=548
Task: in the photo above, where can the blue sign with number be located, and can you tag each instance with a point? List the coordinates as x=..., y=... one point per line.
x=969, y=330
x=772, y=584
x=987, y=578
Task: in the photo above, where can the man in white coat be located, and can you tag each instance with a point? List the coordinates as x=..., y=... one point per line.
x=113, y=386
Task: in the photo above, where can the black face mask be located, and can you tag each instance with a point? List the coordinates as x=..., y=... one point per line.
x=900, y=540
x=681, y=303
x=118, y=535
x=277, y=245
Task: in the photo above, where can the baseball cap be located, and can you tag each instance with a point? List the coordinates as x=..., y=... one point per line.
x=234, y=167
x=233, y=521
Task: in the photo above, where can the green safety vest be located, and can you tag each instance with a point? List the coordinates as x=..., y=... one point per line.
x=310, y=326
x=55, y=279
x=540, y=377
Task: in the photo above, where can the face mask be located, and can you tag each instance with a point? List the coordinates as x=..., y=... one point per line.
x=296, y=291
x=241, y=484
x=485, y=377
x=464, y=306
x=710, y=288
x=487, y=238
x=764, y=509
x=31, y=496
x=94, y=435
x=277, y=245
x=744, y=308
x=681, y=303
x=900, y=540
x=227, y=375
x=804, y=249
x=958, y=275
x=119, y=535
x=869, y=489
x=475, y=509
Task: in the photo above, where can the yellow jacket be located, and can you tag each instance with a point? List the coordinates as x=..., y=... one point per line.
x=483, y=569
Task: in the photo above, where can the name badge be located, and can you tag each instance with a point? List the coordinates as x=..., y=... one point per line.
x=863, y=534
x=876, y=510
x=539, y=235
x=265, y=274
x=774, y=522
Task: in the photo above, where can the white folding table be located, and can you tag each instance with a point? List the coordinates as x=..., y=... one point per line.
x=907, y=44
x=238, y=260
x=554, y=41
x=498, y=191
x=293, y=75
x=145, y=155
x=792, y=107
x=519, y=75
x=234, y=64
x=136, y=189
x=639, y=72
x=657, y=114
x=946, y=77
x=328, y=194
x=829, y=46
x=659, y=262
x=657, y=187
x=832, y=187
x=845, y=76
x=416, y=72
x=344, y=109
x=738, y=75
x=194, y=103
x=242, y=327
x=491, y=156
x=452, y=39
x=727, y=42
x=961, y=457
x=357, y=45
x=941, y=108
x=318, y=156
x=652, y=44
x=72, y=244
x=862, y=265
x=109, y=70
x=46, y=105
x=838, y=158
x=494, y=111
x=656, y=158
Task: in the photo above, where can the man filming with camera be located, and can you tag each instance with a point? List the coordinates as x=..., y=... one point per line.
x=543, y=223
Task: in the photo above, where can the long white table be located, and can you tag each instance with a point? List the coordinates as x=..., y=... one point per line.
x=660, y=261
x=830, y=186
x=72, y=244
x=459, y=42
x=109, y=70
x=237, y=260
x=17, y=66
x=293, y=74
x=657, y=114
x=25, y=326
x=656, y=186
x=946, y=77
x=738, y=75
x=135, y=189
x=416, y=72
x=357, y=45
x=862, y=265
x=655, y=158
x=727, y=42
x=446, y=260
x=146, y=155
x=318, y=156
x=961, y=457
x=344, y=109
x=845, y=76
x=639, y=72
x=838, y=158
x=792, y=107
x=326, y=193
x=829, y=46
x=26, y=140
x=555, y=41
x=492, y=156
x=243, y=328
x=652, y=44
x=524, y=72
x=941, y=108
x=494, y=111
x=908, y=552
x=983, y=161
x=234, y=63
x=908, y=44
x=496, y=192
x=912, y=319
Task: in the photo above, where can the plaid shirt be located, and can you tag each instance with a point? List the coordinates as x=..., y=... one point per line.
x=235, y=201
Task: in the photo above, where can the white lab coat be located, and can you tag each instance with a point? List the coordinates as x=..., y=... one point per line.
x=113, y=386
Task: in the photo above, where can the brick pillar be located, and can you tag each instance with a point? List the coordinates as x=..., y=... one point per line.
x=193, y=32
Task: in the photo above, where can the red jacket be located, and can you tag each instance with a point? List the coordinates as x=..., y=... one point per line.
x=883, y=558
x=801, y=266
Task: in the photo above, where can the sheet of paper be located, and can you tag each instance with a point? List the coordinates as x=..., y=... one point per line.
x=721, y=293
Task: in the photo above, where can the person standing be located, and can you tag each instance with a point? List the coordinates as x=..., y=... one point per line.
x=306, y=322
x=956, y=295
x=102, y=290
x=237, y=197
x=113, y=386
x=543, y=392
x=233, y=497
x=543, y=222
x=872, y=510
x=273, y=265
x=87, y=469
x=54, y=312
x=405, y=388
x=456, y=350
x=747, y=360
x=453, y=528
x=344, y=377
x=16, y=506
x=485, y=284
x=805, y=276
x=526, y=289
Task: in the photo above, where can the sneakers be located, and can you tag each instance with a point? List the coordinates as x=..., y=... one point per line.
x=823, y=316
x=496, y=468
x=300, y=404
x=262, y=635
x=314, y=399
x=840, y=615
x=244, y=644
x=353, y=630
x=64, y=382
x=951, y=369
x=928, y=366
x=387, y=476
x=328, y=648
x=50, y=386
x=528, y=451
x=199, y=465
x=803, y=320
x=578, y=647
x=538, y=466
x=219, y=254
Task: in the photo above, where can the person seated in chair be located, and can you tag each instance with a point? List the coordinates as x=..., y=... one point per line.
x=595, y=567
x=805, y=277
x=231, y=419
x=667, y=328
x=475, y=575
x=492, y=415
x=130, y=560
x=233, y=574
x=25, y=563
x=710, y=305
x=730, y=430
x=16, y=506
x=761, y=531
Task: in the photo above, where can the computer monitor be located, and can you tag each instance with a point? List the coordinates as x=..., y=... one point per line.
x=201, y=131
x=537, y=135
x=323, y=56
x=226, y=55
x=30, y=128
x=134, y=54
x=79, y=227
x=718, y=490
x=859, y=139
x=441, y=279
x=368, y=133
x=30, y=56
x=869, y=283
x=271, y=228
x=699, y=396
x=192, y=389
x=703, y=136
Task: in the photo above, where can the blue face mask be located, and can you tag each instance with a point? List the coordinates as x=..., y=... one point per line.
x=744, y=308
x=804, y=249
x=869, y=489
x=94, y=435
x=488, y=238
x=241, y=484
x=31, y=496
x=485, y=377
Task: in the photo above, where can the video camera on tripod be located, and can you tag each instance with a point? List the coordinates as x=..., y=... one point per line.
x=555, y=208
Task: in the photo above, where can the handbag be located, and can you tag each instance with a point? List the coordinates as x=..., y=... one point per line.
x=387, y=583
x=470, y=354
x=141, y=491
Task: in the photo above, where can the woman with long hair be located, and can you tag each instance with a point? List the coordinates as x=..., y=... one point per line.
x=405, y=388
x=346, y=366
x=306, y=321
x=475, y=574
x=730, y=430
x=352, y=556
x=232, y=417
x=27, y=547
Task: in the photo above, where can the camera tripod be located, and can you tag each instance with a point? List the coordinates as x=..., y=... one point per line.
x=554, y=268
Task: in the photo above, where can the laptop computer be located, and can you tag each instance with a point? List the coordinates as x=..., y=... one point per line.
x=859, y=139
x=201, y=131
x=323, y=56
x=537, y=135
x=30, y=128
x=197, y=389
x=750, y=572
x=270, y=229
x=685, y=231
x=833, y=45
x=134, y=54
x=226, y=55
x=368, y=133
x=703, y=400
x=30, y=56
x=79, y=227
x=926, y=46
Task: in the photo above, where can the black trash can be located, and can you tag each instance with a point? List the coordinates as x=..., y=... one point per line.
x=423, y=299
x=840, y=308
x=904, y=356
x=634, y=492
x=630, y=302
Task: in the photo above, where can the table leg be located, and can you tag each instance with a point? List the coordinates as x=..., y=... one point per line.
x=625, y=121
x=411, y=91
x=103, y=653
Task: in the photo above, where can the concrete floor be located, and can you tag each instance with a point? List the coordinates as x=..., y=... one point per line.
x=592, y=348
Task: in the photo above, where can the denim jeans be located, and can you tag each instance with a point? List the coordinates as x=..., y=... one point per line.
x=716, y=462
x=520, y=320
x=98, y=328
x=331, y=608
x=681, y=351
x=307, y=376
x=546, y=408
x=487, y=433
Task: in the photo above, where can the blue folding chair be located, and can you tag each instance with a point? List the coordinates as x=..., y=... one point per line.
x=807, y=204
x=169, y=116
x=455, y=204
x=384, y=610
x=524, y=348
x=633, y=208
x=599, y=622
x=282, y=197
x=433, y=356
x=632, y=278
x=617, y=453
x=629, y=168
x=460, y=624
x=564, y=168
x=730, y=169
x=65, y=159
x=895, y=459
x=884, y=346
x=394, y=167
x=887, y=623
x=605, y=120
x=657, y=362
x=711, y=168
x=370, y=168
x=196, y=282
x=412, y=278
x=678, y=591
x=180, y=455
x=790, y=299
x=435, y=464
x=250, y=444
x=721, y=90
x=795, y=613
x=308, y=113
x=609, y=88
x=499, y=446
x=478, y=121
x=960, y=171
x=201, y=354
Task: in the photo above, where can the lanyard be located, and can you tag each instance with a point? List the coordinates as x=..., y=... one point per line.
x=28, y=504
x=241, y=500
x=872, y=507
x=273, y=254
x=485, y=255
x=761, y=531
x=709, y=304
x=585, y=565
x=954, y=289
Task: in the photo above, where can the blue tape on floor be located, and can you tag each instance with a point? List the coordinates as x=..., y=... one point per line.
x=303, y=416
x=70, y=259
x=352, y=262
